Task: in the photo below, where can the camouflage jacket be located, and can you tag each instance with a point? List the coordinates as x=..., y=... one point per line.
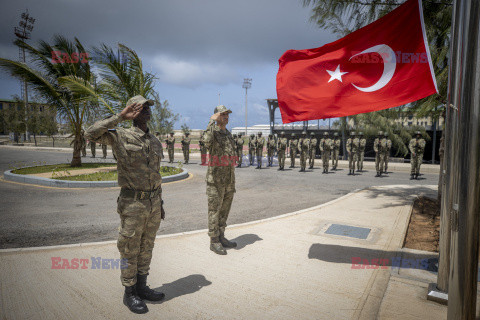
x=170, y=142
x=251, y=144
x=282, y=144
x=380, y=145
x=361, y=144
x=388, y=146
x=138, y=153
x=222, y=155
x=259, y=143
x=352, y=145
x=303, y=144
x=416, y=146
x=326, y=144
x=271, y=144
x=313, y=144
x=185, y=142
x=293, y=144
x=239, y=143
x=336, y=144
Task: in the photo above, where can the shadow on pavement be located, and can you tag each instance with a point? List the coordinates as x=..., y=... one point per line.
x=245, y=240
x=403, y=196
x=181, y=287
x=364, y=258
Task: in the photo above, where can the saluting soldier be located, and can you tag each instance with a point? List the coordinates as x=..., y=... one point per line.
x=140, y=204
x=203, y=148
x=335, y=150
x=186, y=147
x=312, y=150
x=362, y=142
x=281, y=147
x=417, y=147
x=293, y=145
x=259, y=143
x=251, y=149
x=326, y=148
x=387, y=151
x=379, y=146
x=303, y=145
x=239, y=142
x=271, y=144
x=170, y=147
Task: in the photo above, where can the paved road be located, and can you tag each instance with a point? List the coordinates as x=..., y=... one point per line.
x=39, y=216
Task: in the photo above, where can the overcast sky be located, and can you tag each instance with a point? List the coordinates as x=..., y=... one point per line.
x=197, y=49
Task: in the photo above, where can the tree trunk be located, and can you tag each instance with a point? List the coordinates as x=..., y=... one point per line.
x=35, y=139
x=77, y=148
x=53, y=141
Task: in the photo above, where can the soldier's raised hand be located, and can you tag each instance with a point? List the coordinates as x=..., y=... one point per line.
x=215, y=116
x=132, y=111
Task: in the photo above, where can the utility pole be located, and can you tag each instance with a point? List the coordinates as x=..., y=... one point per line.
x=23, y=33
x=247, y=84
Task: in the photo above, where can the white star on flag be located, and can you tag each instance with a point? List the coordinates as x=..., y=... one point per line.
x=337, y=74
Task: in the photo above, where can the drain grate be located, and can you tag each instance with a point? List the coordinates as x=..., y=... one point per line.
x=348, y=231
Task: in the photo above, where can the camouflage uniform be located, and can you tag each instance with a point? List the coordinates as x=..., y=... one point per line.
x=104, y=151
x=335, y=151
x=186, y=148
x=92, y=148
x=271, y=144
x=84, y=145
x=387, y=152
x=362, y=142
x=352, y=150
x=312, y=150
x=203, y=149
x=220, y=177
x=282, y=147
x=251, y=149
x=303, y=144
x=140, y=202
x=326, y=145
x=170, y=147
x=259, y=143
x=379, y=146
x=416, y=147
x=239, y=144
x=293, y=145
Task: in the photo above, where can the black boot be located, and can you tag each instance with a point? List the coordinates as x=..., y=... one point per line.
x=144, y=292
x=225, y=242
x=416, y=176
x=411, y=176
x=216, y=246
x=133, y=301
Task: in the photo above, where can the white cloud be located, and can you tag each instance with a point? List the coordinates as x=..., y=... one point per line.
x=260, y=109
x=193, y=74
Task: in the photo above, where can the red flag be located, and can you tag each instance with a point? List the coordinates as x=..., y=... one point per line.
x=382, y=65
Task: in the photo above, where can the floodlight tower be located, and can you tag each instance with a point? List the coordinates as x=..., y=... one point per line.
x=247, y=84
x=23, y=33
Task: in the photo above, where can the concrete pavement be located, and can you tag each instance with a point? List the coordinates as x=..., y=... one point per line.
x=294, y=266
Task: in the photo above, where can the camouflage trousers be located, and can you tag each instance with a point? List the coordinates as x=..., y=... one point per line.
x=379, y=161
x=203, y=152
x=352, y=159
x=360, y=158
x=270, y=153
x=220, y=199
x=385, y=159
x=303, y=159
x=259, y=154
x=325, y=159
x=170, y=154
x=415, y=163
x=251, y=155
x=92, y=149
x=293, y=154
x=335, y=158
x=281, y=158
x=139, y=222
x=104, y=150
x=84, y=150
x=186, y=154
x=240, y=156
x=311, y=158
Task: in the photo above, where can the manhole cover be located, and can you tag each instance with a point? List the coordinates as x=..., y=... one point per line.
x=348, y=231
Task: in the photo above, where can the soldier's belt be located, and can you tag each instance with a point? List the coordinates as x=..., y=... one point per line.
x=139, y=195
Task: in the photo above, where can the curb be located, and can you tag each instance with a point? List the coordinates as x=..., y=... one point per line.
x=23, y=178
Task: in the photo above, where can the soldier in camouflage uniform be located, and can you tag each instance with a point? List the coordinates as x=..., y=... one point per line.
x=282, y=147
x=362, y=142
x=140, y=201
x=93, y=148
x=417, y=147
x=335, y=150
x=271, y=145
x=293, y=145
x=259, y=143
x=203, y=149
x=251, y=149
x=352, y=150
x=158, y=136
x=239, y=143
x=220, y=178
x=170, y=141
x=303, y=145
x=312, y=150
x=104, y=151
x=186, y=147
x=326, y=145
x=387, y=151
x=379, y=146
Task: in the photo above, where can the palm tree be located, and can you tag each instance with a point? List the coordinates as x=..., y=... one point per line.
x=43, y=77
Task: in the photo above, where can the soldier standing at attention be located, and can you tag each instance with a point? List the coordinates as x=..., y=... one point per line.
x=335, y=150
x=303, y=144
x=186, y=147
x=312, y=150
x=158, y=136
x=251, y=149
x=281, y=147
x=239, y=143
x=387, y=151
x=259, y=143
x=352, y=153
x=104, y=151
x=325, y=147
x=220, y=178
x=271, y=144
x=379, y=148
x=203, y=148
x=140, y=201
x=417, y=147
x=92, y=148
x=362, y=142
x=293, y=145
x=170, y=147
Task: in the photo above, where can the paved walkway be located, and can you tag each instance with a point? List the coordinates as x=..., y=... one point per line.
x=287, y=267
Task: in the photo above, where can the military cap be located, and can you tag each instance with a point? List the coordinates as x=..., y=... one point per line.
x=140, y=99
x=293, y=134
x=325, y=133
x=260, y=133
x=187, y=133
x=312, y=133
x=335, y=134
x=283, y=132
x=380, y=133
x=352, y=133
x=270, y=135
x=304, y=132
x=221, y=108
x=418, y=133
x=252, y=135
x=360, y=133
x=386, y=134
x=234, y=135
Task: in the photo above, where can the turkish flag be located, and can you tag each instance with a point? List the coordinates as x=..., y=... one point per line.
x=382, y=65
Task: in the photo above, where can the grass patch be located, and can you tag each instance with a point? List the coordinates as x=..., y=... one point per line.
x=113, y=175
x=61, y=167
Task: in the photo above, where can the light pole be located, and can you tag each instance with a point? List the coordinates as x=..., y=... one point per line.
x=247, y=84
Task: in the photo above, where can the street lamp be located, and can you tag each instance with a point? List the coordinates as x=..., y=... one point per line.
x=247, y=84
